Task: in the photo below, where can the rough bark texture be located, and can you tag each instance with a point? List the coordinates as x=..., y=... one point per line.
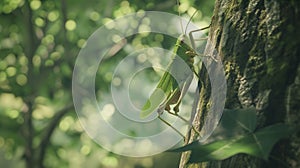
x=259, y=44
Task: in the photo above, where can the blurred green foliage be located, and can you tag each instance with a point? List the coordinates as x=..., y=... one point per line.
x=39, y=42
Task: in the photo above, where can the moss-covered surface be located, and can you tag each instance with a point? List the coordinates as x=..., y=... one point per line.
x=259, y=42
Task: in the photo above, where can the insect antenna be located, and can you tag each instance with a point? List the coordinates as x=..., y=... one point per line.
x=190, y=21
x=181, y=25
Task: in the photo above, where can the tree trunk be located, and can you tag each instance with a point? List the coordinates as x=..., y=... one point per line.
x=259, y=45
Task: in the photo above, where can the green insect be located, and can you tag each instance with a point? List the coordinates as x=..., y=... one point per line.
x=175, y=82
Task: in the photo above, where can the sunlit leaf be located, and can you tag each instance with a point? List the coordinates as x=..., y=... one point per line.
x=235, y=134
x=257, y=144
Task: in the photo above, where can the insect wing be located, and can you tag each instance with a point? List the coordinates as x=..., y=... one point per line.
x=159, y=95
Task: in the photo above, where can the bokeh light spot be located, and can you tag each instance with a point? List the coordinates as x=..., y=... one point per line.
x=53, y=16
x=35, y=4
x=11, y=71
x=70, y=25
x=21, y=79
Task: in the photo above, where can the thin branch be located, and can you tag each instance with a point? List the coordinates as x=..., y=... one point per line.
x=64, y=31
x=49, y=131
x=29, y=135
x=29, y=51
x=5, y=91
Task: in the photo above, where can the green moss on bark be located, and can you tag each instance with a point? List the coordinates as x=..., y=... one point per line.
x=259, y=41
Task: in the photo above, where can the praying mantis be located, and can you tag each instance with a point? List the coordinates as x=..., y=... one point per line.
x=176, y=80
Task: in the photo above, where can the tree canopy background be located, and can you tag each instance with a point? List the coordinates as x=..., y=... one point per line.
x=39, y=43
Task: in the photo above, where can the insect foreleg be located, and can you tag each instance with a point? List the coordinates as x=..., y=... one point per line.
x=183, y=91
x=177, y=104
x=192, y=37
x=193, y=42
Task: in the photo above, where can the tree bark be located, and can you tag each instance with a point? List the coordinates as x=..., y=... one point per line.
x=258, y=42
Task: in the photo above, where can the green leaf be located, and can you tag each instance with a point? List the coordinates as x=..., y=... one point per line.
x=244, y=118
x=234, y=123
x=235, y=134
x=257, y=144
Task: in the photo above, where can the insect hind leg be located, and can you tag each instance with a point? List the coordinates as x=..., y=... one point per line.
x=186, y=121
x=167, y=123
